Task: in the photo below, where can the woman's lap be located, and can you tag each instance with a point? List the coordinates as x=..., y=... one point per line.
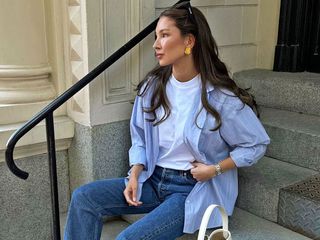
x=165, y=222
x=106, y=196
x=163, y=197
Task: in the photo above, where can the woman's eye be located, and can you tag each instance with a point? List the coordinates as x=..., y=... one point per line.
x=161, y=35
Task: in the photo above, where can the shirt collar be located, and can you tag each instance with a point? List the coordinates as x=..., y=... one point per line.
x=209, y=87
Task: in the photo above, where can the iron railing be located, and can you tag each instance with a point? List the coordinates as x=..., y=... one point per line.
x=47, y=114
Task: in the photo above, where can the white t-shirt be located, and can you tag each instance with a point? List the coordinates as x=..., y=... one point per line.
x=174, y=153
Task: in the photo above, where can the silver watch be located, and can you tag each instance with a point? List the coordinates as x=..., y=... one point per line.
x=218, y=169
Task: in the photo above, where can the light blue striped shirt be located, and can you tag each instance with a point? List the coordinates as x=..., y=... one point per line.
x=241, y=136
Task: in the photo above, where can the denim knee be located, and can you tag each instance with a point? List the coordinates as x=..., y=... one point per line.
x=79, y=199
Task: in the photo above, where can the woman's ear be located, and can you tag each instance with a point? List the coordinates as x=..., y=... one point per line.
x=190, y=40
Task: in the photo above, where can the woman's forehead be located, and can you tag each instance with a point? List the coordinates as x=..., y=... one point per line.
x=166, y=23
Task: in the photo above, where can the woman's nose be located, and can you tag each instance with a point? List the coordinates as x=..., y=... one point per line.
x=156, y=44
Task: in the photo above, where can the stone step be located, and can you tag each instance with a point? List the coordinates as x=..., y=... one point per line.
x=298, y=92
x=260, y=184
x=245, y=226
x=294, y=137
x=112, y=227
x=299, y=207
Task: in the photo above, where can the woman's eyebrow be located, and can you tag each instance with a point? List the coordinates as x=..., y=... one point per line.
x=162, y=30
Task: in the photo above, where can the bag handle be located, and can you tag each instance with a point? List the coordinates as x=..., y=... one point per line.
x=206, y=217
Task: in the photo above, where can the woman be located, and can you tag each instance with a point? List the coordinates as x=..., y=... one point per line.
x=191, y=127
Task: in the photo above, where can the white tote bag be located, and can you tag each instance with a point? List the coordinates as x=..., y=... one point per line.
x=218, y=234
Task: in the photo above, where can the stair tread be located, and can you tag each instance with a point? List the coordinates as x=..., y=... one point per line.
x=112, y=228
x=274, y=173
x=309, y=188
x=305, y=123
x=289, y=77
x=297, y=92
x=246, y=226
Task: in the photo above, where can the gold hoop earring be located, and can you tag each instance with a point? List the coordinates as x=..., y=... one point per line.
x=187, y=51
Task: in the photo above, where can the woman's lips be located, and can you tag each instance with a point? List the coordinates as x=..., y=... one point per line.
x=159, y=55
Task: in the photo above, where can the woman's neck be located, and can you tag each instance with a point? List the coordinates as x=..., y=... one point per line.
x=184, y=71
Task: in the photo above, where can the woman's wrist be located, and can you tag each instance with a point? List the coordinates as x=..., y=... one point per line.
x=136, y=170
x=212, y=170
x=227, y=164
x=222, y=166
x=218, y=169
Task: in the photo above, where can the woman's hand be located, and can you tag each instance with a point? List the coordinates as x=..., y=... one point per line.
x=202, y=172
x=130, y=192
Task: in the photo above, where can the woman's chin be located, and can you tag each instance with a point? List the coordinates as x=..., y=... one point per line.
x=163, y=63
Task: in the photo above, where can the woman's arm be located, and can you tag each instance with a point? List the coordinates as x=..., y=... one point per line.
x=130, y=192
x=137, y=153
x=245, y=135
x=136, y=170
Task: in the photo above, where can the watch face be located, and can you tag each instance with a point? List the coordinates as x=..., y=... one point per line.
x=218, y=169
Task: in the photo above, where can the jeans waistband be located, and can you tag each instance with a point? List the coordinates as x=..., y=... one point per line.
x=175, y=171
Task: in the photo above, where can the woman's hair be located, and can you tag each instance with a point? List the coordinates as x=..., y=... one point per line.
x=207, y=63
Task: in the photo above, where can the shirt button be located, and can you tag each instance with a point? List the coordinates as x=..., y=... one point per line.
x=187, y=201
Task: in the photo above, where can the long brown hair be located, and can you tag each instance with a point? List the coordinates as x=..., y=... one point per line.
x=207, y=62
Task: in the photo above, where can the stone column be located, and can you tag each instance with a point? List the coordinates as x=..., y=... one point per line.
x=24, y=67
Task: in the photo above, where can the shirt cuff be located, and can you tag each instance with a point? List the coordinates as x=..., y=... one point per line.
x=247, y=156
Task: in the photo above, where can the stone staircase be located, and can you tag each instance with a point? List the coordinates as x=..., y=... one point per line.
x=288, y=178
x=279, y=197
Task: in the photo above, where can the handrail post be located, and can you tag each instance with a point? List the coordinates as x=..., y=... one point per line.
x=53, y=177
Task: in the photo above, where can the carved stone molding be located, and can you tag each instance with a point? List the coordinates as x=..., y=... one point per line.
x=77, y=51
x=7, y=72
x=25, y=84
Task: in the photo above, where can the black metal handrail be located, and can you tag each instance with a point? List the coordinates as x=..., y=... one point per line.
x=47, y=114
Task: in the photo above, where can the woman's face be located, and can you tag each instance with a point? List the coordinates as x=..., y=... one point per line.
x=169, y=44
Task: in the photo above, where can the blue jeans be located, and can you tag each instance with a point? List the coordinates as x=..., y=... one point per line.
x=163, y=197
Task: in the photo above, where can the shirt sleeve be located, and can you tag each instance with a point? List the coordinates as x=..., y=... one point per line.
x=243, y=131
x=137, y=152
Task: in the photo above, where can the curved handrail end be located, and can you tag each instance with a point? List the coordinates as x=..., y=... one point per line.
x=13, y=167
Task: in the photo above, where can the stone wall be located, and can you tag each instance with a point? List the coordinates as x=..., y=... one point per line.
x=25, y=211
